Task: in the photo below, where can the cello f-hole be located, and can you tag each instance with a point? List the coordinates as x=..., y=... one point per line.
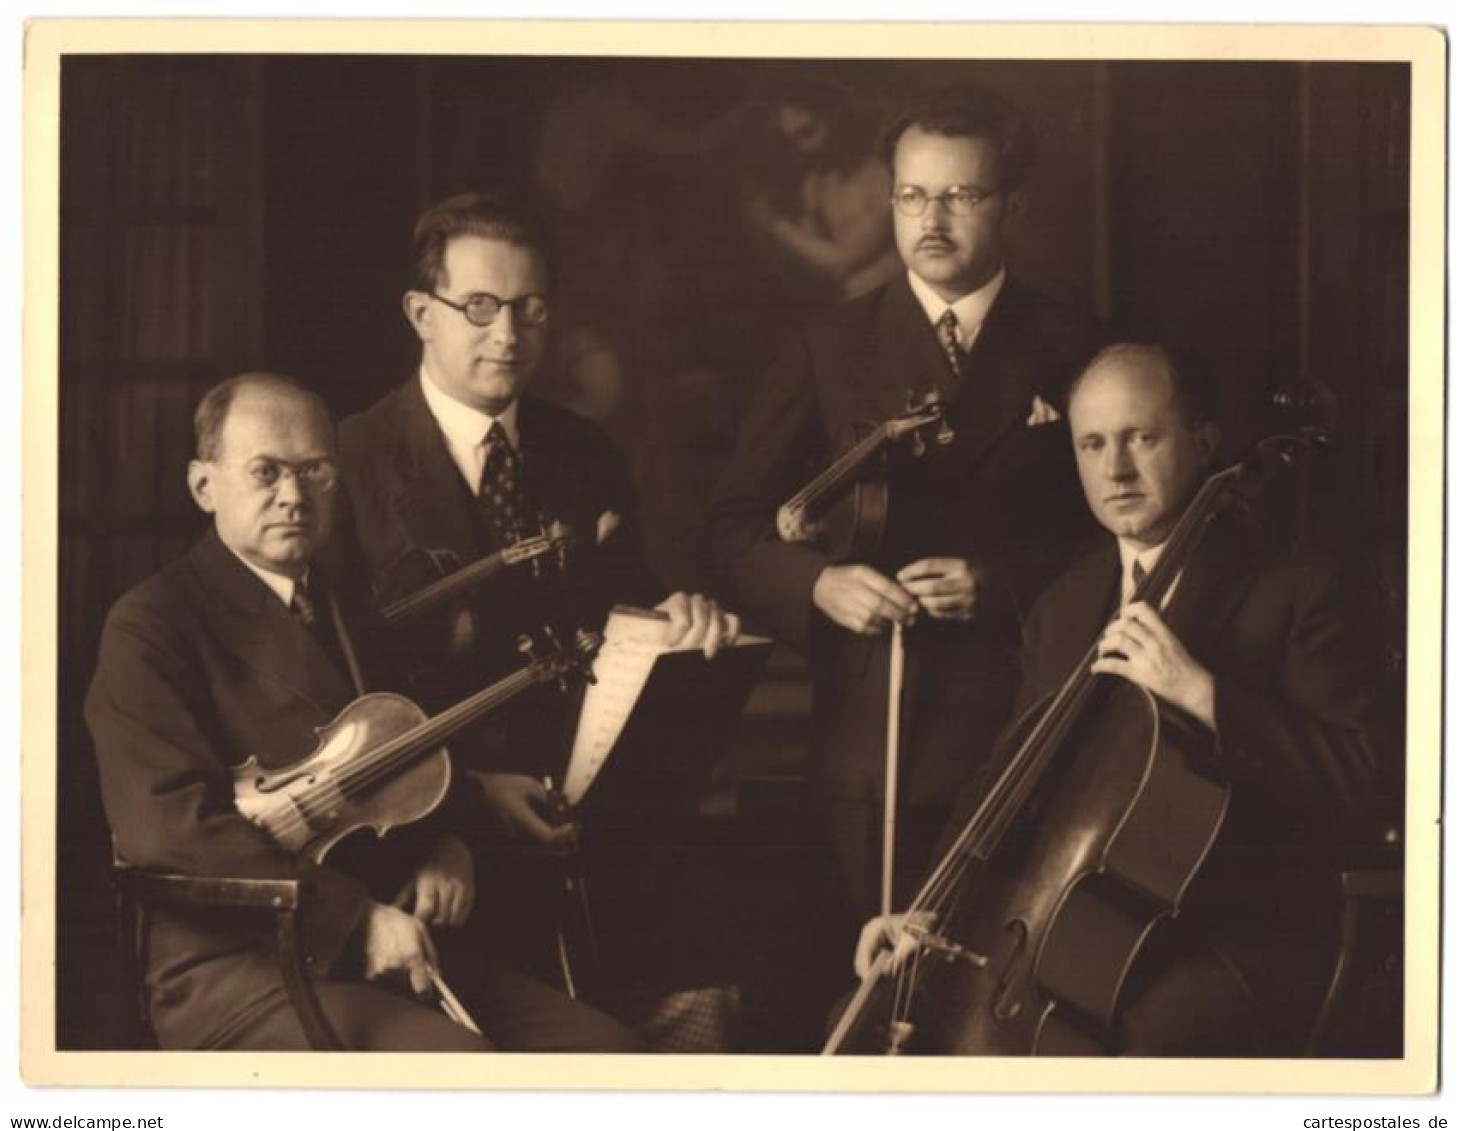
x=1005, y=1007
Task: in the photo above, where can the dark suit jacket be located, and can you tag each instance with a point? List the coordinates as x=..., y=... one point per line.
x=1002, y=494
x=406, y=496
x=202, y=667
x=1296, y=739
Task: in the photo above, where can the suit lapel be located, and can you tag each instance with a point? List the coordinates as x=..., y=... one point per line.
x=902, y=354
x=899, y=354
x=431, y=501
x=1211, y=587
x=254, y=624
x=541, y=462
x=1092, y=597
x=1001, y=375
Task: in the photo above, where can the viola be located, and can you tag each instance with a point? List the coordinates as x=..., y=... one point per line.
x=380, y=763
x=846, y=504
x=453, y=580
x=1102, y=806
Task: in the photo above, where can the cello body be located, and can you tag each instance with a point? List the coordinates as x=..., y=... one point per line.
x=1092, y=823
x=1063, y=909
x=1032, y=955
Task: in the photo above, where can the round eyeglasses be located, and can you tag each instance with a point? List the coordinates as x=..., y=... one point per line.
x=959, y=200
x=482, y=308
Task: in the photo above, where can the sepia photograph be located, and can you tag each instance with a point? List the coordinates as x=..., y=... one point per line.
x=695, y=552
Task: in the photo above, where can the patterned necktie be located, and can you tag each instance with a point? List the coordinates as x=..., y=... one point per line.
x=501, y=494
x=947, y=335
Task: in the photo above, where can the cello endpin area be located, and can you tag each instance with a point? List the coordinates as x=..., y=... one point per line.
x=898, y=1035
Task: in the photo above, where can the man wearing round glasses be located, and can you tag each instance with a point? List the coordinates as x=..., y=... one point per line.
x=462, y=458
x=976, y=525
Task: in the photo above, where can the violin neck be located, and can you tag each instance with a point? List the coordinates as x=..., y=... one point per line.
x=399, y=752
x=454, y=584
x=828, y=484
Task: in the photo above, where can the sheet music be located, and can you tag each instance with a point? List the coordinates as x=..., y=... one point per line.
x=632, y=642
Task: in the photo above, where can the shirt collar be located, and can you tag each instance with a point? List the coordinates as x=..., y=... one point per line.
x=281, y=585
x=1128, y=555
x=971, y=309
x=464, y=426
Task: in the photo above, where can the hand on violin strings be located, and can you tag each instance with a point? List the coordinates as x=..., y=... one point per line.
x=861, y=599
x=696, y=621
x=887, y=931
x=945, y=587
x=395, y=941
x=1139, y=646
x=443, y=889
x=523, y=807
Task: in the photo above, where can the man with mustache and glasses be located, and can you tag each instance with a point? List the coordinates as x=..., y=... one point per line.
x=976, y=525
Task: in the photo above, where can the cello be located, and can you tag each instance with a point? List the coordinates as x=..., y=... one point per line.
x=1099, y=813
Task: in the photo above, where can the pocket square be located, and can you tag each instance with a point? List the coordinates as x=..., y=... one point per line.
x=607, y=525
x=1043, y=413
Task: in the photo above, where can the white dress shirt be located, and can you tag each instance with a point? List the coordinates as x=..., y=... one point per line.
x=281, y=585
x=465, y=428
x=970, y=310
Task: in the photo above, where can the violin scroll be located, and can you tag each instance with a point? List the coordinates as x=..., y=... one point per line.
x=560, y=662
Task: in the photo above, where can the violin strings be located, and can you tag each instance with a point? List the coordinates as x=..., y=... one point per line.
x=465, y=577
x=839, y=471
x=382, y=762
x=1012, y=788
x=944, y=888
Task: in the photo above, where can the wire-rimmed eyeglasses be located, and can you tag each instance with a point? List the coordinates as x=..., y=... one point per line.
x=266, y=473
x=959, y=200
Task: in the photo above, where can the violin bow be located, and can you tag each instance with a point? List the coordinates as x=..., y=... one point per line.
x=893, y=763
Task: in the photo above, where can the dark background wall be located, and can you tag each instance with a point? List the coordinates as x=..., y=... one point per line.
x=225, y=213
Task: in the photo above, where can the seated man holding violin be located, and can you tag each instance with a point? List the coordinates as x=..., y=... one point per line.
x=1265, y=744
x=245, y=649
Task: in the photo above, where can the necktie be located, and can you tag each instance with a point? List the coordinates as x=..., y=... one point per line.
x=501, y=494
x=947, y=335
x=302, y=606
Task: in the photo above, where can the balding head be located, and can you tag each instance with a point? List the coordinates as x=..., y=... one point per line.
x=1142, y=446
x=265, y=469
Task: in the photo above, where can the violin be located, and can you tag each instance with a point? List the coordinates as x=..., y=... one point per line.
x=846, y=505
x=380, y=763
x=452, y=580
x=1101, y=810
